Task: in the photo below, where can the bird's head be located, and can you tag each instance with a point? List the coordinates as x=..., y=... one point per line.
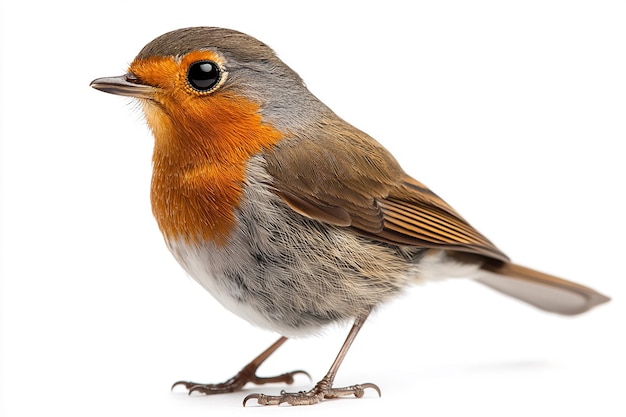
x=207, y=89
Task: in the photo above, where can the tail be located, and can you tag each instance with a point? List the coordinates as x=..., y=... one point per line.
x=541, y=290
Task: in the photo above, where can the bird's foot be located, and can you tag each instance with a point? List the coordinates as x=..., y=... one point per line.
x=321, y=391
x=236, y=383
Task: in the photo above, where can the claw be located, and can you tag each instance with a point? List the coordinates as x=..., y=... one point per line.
x=197, y=387
x=187, y=384
x=366, y=386
x=249, y=397
x=261, y=399
x=376, y=388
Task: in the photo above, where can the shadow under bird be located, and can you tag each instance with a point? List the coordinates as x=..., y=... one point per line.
x=289, y=216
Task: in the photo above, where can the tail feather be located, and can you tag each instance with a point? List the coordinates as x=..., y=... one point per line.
x=541, y=290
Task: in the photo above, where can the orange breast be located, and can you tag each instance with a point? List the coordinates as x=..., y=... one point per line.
x=202, y=146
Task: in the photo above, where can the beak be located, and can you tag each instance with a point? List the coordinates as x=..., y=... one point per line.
x=124, y=85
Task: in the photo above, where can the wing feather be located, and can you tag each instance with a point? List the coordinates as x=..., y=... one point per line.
x=348, y=180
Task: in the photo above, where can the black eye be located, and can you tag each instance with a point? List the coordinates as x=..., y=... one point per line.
x=203, y=75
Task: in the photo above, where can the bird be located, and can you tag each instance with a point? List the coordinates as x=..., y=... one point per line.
x=292, y=218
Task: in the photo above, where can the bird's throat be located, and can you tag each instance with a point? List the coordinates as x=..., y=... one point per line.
x=199, y=166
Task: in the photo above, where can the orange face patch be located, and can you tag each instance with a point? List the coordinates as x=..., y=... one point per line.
x=202, y=144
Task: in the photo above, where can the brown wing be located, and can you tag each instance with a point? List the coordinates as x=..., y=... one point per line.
x=414, y=215
x=345, y=178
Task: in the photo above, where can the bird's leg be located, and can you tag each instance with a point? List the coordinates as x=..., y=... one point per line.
x=247, y=374
x=324, y=388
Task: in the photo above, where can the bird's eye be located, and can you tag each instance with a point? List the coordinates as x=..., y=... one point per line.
x=203, y=75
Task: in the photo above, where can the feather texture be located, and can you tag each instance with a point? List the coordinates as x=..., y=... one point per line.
x=343, y=177
x=346, y=178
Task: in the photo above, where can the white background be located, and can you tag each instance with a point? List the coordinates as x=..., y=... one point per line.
x=514, y=112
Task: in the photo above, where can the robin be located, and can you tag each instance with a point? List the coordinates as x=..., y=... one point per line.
x=289, y=216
